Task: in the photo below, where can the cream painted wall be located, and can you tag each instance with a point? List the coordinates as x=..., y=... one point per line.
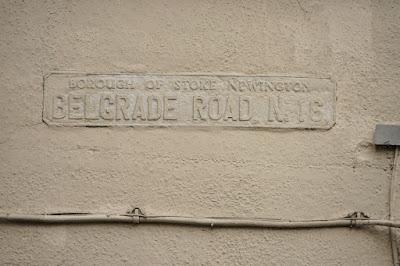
x=297, y=174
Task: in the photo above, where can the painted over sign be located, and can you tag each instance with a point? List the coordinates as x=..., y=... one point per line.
x=189, y=100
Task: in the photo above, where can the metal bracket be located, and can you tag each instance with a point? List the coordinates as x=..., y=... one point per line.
x=354, y=216
x=386, y=134
x=136, y=213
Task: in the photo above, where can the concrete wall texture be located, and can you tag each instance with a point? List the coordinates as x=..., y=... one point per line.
x=296, y=174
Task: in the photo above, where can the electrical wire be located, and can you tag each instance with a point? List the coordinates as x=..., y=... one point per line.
x=138, y=218
x=393, y=184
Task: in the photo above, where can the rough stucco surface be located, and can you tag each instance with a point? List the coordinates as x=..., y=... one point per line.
x=203, y=172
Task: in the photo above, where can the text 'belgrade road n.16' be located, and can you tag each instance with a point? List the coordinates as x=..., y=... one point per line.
x=189, y=100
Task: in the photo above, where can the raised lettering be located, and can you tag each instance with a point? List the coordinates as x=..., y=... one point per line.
x=244, y=108
x=92, y=106
x=231, y=109
x=59, y=106
x=170, y=108
x=107, y=108
x=214, y=108
x=187, y=100
x=76, y=106
x=315, y=110
x=123, y=108
x=275, y=112
x=199, y=108
x=154, y=107
x=138, y=111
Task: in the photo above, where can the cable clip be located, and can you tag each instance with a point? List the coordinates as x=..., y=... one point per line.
x=354, y=216
x=136, y=213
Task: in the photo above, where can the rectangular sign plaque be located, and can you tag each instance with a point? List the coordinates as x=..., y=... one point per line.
x=188, y=100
